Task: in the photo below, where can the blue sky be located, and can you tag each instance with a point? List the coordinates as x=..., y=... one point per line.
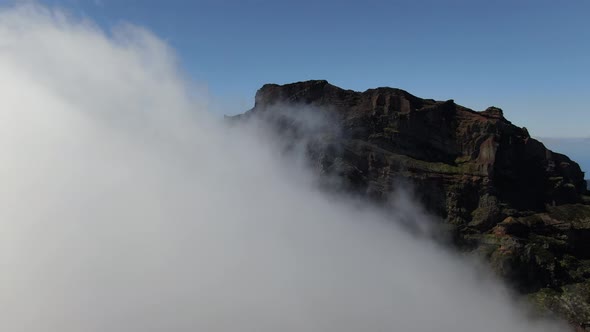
x=531, y=58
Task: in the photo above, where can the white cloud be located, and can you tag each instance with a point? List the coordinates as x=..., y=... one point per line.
x=124, y=206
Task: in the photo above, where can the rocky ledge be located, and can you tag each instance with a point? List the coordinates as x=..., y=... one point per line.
x=501, y=193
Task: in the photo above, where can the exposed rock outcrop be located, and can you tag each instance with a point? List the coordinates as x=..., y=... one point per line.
x=504, y=195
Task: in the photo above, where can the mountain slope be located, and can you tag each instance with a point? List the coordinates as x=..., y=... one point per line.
x=502, y=194
x=437, y=141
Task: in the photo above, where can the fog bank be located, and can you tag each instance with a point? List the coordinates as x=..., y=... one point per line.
x=126, y=207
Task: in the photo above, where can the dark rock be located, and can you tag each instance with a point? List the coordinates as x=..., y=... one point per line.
x=456, y=155
x=506, y=196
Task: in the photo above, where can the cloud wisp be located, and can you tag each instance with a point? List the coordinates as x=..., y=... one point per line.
x=126, y=207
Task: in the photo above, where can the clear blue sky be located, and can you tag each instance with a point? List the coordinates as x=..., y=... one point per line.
x=531, y=58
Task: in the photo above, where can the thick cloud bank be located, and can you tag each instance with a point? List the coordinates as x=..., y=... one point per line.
x=126, y=207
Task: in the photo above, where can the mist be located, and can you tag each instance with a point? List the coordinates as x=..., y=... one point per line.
x=126, y=206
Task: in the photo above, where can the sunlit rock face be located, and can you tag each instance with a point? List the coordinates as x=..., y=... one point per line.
x=456, y=155
x=501, y=193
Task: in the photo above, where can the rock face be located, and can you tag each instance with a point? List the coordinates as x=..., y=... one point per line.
x=501, y=192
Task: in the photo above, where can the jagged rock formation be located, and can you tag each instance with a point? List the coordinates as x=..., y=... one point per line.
x=501, y=192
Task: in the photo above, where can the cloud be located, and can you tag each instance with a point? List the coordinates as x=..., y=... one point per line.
x=125, y=206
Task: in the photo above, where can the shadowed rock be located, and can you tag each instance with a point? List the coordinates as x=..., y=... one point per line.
x=502, y=193
x=461, y=157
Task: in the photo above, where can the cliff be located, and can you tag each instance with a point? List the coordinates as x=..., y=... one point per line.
x=502, y=194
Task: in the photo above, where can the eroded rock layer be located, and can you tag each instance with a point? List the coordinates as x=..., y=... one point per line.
x=502, y=194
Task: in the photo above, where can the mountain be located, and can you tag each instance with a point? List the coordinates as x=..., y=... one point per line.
x=499, y=193
x=576, y=148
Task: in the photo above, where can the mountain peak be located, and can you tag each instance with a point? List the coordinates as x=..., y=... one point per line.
x=500, y=190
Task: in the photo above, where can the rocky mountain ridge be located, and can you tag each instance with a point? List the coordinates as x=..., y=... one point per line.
x=501, y=193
